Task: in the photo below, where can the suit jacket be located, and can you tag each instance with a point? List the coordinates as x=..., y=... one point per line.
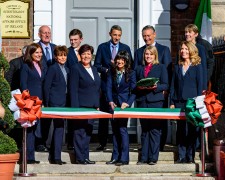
x=71, y=57
x=163, y=53
x=44, y=59
x=157, y=71
x=202, y=54
x=31, y=80
x=55, y=87
x=103, y=60
x=13, y=74
x=187, y=86
x=210, y=59
x=83, y=90
x=124, y=92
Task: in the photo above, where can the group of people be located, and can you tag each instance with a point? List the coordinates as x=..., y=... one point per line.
x=65, y=77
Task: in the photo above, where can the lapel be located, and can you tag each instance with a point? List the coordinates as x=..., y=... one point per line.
x=43, y=54
x=108, y=50
x=86, y=73
x=60, y=72
x=35, y=72
x=73, y=54
x=151, y=72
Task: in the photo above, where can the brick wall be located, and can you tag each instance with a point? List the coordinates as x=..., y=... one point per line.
x=179, y=19
x=12, y=47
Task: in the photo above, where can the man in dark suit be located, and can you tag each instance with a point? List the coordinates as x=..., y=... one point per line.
x=149, y=35
x=103, y=60
x=73, y=57
x=44, y=34
x=76, y=37
x=13, y=74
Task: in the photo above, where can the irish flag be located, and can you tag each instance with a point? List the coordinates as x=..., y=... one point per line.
x=204, y=20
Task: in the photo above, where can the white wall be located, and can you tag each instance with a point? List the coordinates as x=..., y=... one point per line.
x=42, y=15
x=157, y=14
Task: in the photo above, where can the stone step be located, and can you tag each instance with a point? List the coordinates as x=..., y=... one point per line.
x=111, y=170
x=68, y=156
x=116, y=177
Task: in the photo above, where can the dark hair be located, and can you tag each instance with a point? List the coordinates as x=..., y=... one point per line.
x=127, y=59
x=60, y=50
x=28, y=55
x=76, y=32
x=84, y=48
x=148, y=27
x=115, y=27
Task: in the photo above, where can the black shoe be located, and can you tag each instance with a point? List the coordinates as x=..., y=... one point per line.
x=41, y=148
x=100, y=148
x=81, y=162
x=152, y=163
x=142, y=162
x=88, y=161
x=181, y=161
x=33, y=162
x=114, y=161
x=121, y=163
x=59, y=162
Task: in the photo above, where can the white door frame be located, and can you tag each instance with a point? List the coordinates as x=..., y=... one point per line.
x=59, y=22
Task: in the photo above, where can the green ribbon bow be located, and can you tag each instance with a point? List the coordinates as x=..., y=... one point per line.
x=192, y=114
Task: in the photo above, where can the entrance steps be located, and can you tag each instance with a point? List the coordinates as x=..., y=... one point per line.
x=165, y=169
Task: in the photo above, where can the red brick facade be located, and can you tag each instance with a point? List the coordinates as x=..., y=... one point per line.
x=179, y=19
x=12, y=47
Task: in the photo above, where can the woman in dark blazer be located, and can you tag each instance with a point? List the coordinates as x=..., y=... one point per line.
x=84, y=90
x=151, y=97
x=121, y=82
x=32, y=76
x=186, y=83
x=55, y=95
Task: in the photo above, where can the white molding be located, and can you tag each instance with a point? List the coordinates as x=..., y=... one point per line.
x=144, y=17
x=59, y=22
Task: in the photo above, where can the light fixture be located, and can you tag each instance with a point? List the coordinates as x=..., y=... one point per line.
x=181, y=4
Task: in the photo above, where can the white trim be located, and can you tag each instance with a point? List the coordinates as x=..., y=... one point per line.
x=144, y=17
x=59, y=22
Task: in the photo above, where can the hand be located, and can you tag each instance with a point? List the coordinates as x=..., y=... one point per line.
x=165, y=93
x=172, y=106
x=112, y=105
x=98, y=109
x=147, y=88
x=124, y=105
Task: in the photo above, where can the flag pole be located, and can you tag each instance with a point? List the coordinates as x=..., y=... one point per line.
x=203, y=173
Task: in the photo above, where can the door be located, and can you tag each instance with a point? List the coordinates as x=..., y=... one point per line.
x=95, y=18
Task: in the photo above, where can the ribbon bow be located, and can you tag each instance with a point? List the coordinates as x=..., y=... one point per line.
x=213, y=106
x=192, y=114
x=30, y=107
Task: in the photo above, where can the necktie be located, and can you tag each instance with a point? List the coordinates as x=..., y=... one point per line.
x=113, y=52
x=47, y=54
x=119, y=77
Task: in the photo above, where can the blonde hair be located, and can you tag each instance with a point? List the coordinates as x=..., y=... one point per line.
x=193, y=53
x=191, y=27
x=154, y=51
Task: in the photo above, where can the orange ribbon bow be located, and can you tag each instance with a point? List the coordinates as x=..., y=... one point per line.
x=213, y=105
x=30, y=106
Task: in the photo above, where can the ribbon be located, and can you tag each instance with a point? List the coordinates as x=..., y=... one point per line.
x=192, y=114
x=30, y=108
x=213, y=105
